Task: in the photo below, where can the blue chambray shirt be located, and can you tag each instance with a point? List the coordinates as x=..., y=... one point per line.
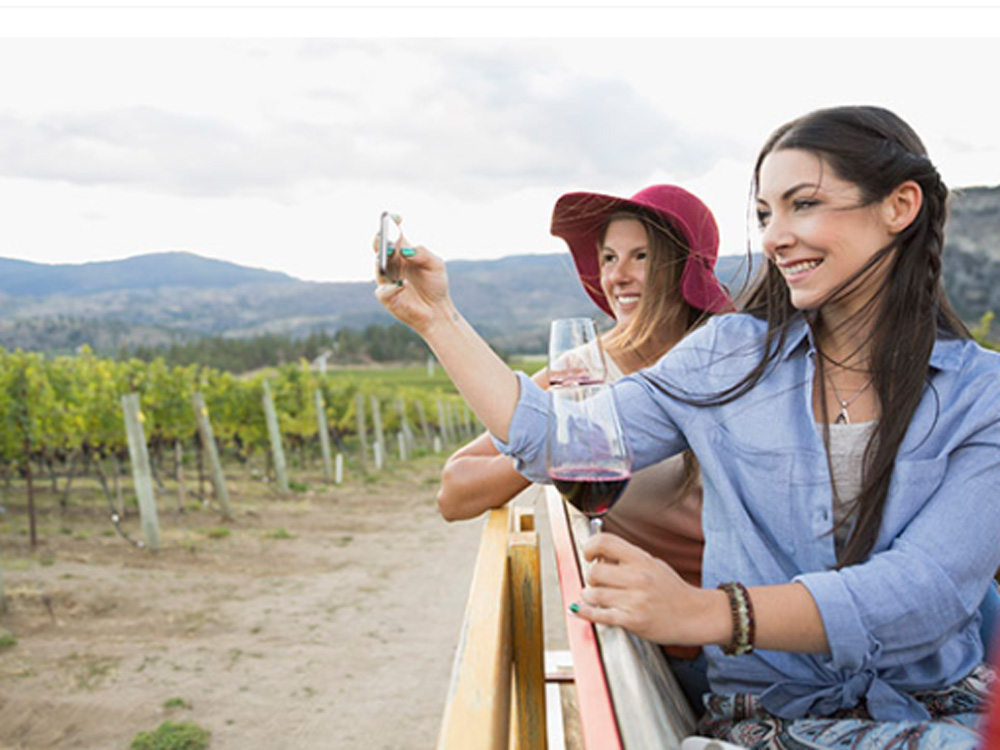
x=904, y=620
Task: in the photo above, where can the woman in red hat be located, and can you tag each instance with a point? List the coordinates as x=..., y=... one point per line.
x=648, y=262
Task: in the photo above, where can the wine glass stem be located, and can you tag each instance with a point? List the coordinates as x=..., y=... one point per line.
x=596, y=525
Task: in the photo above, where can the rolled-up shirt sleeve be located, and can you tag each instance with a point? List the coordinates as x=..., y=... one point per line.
x=648, y=414
x=526, y=436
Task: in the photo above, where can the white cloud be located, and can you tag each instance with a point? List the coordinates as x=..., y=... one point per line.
x=281, y=153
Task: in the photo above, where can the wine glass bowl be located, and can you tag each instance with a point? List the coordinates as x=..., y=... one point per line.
x=587, y=457
x=575, y=353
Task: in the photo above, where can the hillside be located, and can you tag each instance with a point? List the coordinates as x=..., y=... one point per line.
x=151, y=271
x=167, y=297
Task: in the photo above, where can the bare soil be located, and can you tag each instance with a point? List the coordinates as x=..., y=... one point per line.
x=321, y=619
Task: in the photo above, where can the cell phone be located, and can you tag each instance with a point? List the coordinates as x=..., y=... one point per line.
x=388, y=237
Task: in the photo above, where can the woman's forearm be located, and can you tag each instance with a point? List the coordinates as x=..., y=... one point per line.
x=489, y=386
x=786, y=618
x=477, y=477
x=420, y=299
x=473, y=484
x=629, y=587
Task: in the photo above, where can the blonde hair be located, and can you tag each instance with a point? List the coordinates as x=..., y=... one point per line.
x=663, y=315
x=663, y=312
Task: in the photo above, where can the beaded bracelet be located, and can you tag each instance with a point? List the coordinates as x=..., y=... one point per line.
x=743, y=621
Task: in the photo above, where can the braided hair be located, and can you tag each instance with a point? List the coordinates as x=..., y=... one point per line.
x=876, y=151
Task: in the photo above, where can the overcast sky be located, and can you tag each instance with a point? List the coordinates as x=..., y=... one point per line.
x=280, y=153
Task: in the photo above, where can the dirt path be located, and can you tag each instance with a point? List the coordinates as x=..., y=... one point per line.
x=324, y=620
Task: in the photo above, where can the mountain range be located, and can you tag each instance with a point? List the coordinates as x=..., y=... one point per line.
x=168, y=297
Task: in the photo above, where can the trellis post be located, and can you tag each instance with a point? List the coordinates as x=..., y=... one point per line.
x=379, y=436
x=142, y=474
x=324, y=435
x=277, y=451
x=212, y=451
x=359, y=408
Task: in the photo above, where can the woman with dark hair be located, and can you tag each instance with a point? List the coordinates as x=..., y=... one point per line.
x=648, y=262
x=848, y=432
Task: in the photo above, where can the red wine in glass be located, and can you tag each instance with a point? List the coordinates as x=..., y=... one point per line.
x=587, y=457
x=591, y=491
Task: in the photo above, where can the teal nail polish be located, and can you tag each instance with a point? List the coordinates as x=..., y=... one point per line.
x=389, y=251
x=399, y=283
x=574, y=608
x=407, y=252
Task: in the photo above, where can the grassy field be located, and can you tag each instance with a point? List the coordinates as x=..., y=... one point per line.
x=417, y=375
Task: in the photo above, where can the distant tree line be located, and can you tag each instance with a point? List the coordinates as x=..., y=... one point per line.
x=347, y=346
x=392, y=343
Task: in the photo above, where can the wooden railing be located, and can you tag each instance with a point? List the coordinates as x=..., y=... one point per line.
x=501, y=647
x=626, y=698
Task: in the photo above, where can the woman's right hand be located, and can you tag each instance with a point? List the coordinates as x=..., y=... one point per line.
x=421, y=295
x=421, y=300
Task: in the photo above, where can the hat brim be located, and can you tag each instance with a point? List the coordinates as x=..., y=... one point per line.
x=578, y=218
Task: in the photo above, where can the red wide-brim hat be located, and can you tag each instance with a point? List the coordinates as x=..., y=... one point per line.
x=579, y=218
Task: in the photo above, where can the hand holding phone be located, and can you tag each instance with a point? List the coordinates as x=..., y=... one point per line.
x=388, y=245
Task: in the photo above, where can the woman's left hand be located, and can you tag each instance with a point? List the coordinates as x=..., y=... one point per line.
x=628, y=587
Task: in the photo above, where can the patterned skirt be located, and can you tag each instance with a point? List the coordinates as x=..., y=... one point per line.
x=955, y=712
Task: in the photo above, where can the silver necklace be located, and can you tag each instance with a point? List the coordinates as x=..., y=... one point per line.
x=844, y=417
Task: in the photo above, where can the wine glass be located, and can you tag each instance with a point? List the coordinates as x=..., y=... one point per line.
x=575, y=353
x=587, y=458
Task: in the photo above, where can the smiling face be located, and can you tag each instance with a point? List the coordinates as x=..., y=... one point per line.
x=818, y=232
x=623, y=259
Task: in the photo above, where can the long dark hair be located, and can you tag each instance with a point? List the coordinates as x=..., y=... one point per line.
x=876, y=151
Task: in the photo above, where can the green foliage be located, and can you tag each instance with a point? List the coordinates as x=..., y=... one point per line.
x=280, y=533
x=170, y=703
x=7, y=639
x=54, y=408
x=981, y=332
x=220, y=532
x=391, y=343
x=171, y=735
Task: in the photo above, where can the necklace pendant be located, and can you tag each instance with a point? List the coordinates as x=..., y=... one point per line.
x=843, y=417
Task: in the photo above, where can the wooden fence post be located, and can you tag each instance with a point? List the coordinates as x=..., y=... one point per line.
x=449, y=416
x=528, y=641
x=210, y=447
x=442, y=423
x=359, y=408
x=404, y=423
x=275, y=434
x=324, y=435
x=380, y=448
x=425, y=428
x=477, y=712
x=142, y=474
